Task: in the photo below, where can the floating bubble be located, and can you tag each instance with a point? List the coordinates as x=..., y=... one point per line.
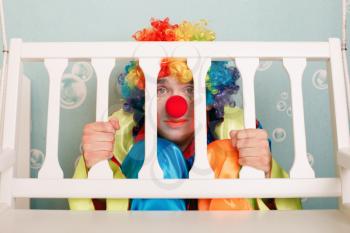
x=319, y=79
x=284, y=95
x=264, y=65
x=73, y=91
x=83, y=70
x=310, y=158
x=36, y=159
x=289, y=111
x=279, y=135
x=281, y=106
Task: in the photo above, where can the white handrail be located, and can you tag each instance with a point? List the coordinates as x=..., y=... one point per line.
x=177, y=188
x=218, y=50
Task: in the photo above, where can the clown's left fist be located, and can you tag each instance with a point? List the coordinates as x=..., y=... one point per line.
x=253, y=148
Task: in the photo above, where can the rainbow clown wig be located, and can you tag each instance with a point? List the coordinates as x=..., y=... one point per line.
x=220, y=80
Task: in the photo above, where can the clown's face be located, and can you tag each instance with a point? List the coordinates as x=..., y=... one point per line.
x=175, y=125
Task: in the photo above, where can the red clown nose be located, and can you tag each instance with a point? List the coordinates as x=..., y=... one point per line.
x=176, y=106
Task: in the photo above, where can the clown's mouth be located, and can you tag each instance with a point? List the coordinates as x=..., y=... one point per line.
x=175, y=123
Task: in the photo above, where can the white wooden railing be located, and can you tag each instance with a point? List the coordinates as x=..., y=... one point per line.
x=51, y=183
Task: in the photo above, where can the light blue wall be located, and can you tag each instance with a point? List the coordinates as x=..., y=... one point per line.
x=106, y=20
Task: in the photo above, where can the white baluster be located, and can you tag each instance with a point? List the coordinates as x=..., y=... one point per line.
x=10, y=113
x=51, y=168
x=247, y=67
x=103, y=69
x=301, y=167
x=201, y=168
x=340, y=117
x=151, y=168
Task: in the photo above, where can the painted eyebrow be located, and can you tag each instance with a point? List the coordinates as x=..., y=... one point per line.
x=188, y=84
x=162, y=81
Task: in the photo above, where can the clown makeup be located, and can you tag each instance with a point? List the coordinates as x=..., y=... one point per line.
x=175, y=110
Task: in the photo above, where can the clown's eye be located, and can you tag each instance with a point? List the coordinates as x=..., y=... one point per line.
x=189, y=90
x=161, y=91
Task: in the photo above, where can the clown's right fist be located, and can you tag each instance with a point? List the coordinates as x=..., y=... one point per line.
x=98, y=141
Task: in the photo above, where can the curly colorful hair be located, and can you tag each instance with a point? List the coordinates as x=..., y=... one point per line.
x=220, y=80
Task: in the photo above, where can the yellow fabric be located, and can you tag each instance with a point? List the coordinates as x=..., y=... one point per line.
x=123, y=142
x=124, y=135
x=113, y=204
x=80, y=203
x=284, y=203
x=86, y=203
x=234, y=120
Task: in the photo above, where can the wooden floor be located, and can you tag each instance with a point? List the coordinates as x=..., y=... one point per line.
x=60, y=221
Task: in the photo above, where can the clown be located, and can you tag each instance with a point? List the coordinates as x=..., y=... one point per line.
x=121, y=139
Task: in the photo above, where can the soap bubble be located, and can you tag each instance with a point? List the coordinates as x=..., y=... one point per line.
x=284, y=95
x=279, y=134
x=289, y=111
x=310, y=158
x=73, y=91
x=83, y=70
x=36, y=159
x=264, y=65
x=281, y=106
x=319, y=79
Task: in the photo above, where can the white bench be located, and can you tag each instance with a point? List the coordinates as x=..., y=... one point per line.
x=51, y=184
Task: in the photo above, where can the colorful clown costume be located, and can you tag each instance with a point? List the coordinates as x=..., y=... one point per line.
x=222, y=156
